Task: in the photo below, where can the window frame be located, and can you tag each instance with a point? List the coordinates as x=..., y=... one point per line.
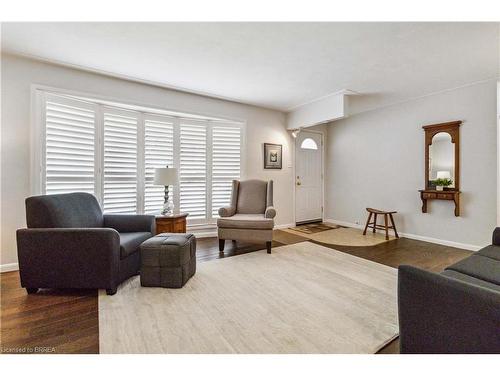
x=38, y=142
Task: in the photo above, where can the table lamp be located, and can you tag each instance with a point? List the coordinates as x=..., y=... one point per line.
x=166, y=177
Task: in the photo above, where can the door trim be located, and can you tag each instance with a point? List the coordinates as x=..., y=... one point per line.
x=323, y=136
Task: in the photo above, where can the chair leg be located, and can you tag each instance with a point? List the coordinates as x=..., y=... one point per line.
x=221, y=245
x=374, y=223
x=268, y=246
x=386, y=224
x=367, y=222
x=394, y=226
x=31, y=290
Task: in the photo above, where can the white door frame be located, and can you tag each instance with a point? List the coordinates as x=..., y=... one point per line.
x=323, y=135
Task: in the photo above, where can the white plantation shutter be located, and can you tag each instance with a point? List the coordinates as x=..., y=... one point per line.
x=193, y=168
x=69, y=146
x=111, y=152
x=158, y=153
x=226, y=162
x=120, y=162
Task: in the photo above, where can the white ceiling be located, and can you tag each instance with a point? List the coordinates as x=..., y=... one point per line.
x=274, y=65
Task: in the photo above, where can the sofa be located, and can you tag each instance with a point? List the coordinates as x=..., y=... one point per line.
x=456, y=311
x=70, y=243
x=250, y=215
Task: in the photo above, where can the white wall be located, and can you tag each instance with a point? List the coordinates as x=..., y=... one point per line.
x=376, y=159
x=18, y=74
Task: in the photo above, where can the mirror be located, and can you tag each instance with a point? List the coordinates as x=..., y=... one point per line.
x=442, y=156
x=441, y=159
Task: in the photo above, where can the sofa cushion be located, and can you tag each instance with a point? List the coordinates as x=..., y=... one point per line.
x=73, y=210
x=130, y=242
x=480, y=267
x=470, y=279
x=251, y=197
x=245, y=221
x=491, y=251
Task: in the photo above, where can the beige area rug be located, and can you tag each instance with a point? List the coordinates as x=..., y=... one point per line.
x=303, y=298
x=345, y=237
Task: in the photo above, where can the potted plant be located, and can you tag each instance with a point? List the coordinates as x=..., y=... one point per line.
x=442, y=183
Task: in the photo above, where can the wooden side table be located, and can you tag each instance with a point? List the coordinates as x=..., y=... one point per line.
x=175, y=223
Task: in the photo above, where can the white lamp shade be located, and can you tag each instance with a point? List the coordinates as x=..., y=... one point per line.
x=165, y=176
x=444, y=175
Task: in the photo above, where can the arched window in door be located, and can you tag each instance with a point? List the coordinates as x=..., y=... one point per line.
x=309, y=144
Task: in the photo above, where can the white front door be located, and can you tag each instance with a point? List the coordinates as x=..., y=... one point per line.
x=308, y=177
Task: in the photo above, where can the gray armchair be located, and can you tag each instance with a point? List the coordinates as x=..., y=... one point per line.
x=69, y=243
x=250, y=216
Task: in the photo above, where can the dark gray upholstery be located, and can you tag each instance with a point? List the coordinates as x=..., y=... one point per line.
x=496, y=237
x=74, y=210
x=440, y=314
x=68, y=244
x=130, y=242
x=457, y=311
x=480, y=267
x=168, y=260
x=491, y=251
x=470, y=279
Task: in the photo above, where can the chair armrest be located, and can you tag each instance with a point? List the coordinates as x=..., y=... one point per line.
x=68, y=257
x=270, y=212
x=227, y=211
x=131, y=223
x=439, y=314
x=496, y=236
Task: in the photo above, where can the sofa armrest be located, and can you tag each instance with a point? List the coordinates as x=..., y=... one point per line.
x=131, y=223
x=496, y=237
x=68, y=257
x=227, y=211
x=439, y=314
x=270, y=212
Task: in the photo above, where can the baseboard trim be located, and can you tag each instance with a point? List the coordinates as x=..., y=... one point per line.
x=412, y=236
x=8, y=267
x=283, y=226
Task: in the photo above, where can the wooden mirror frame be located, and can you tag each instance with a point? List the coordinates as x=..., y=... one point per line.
x=450, y=194
x=453, y=129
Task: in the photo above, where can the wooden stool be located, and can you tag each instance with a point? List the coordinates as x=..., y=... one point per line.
x=374, y=224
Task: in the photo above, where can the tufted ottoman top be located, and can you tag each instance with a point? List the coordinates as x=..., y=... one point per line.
x=168, y=250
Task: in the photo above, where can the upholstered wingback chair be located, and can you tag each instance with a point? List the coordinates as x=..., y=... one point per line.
x=250, y=216
x=70, y=243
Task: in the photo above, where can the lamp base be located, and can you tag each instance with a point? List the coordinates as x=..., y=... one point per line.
x=168, y=209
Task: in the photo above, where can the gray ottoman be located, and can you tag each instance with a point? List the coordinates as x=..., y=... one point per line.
x=168, y=260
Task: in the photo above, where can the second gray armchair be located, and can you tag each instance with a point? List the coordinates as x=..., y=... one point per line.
x=250, y=215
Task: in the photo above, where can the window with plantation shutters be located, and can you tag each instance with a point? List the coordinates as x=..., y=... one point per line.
x=226, y=161
x=120, y=162
x=158, y=153
x=69, y=146
x=193, y=168
x=111, y=150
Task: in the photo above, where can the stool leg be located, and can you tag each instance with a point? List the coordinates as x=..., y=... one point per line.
x=386, y=227
x=367, y=222
x=394, y=226
x=374, y=223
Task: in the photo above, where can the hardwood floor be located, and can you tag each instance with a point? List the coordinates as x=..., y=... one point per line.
x=66, y=321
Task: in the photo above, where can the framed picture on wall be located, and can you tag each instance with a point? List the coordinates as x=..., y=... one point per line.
x=272, y=156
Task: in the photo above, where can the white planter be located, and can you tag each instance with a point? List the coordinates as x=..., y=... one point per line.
x=439, y=188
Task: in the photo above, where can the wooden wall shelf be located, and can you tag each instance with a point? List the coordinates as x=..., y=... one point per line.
x=448, y=195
